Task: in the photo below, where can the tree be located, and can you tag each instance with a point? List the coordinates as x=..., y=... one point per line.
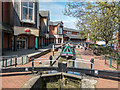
x=100, y=19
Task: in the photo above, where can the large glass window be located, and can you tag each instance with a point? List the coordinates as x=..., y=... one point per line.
x=27, y=11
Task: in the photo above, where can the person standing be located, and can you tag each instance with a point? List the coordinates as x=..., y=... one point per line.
x=85, y=46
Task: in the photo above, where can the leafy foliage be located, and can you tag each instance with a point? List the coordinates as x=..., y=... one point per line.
x=99, y=19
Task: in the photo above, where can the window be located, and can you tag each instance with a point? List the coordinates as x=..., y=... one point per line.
x=28, y=11
x=60, y=30
x=69, y=32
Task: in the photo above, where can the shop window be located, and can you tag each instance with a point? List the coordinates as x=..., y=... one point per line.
x=28, y=11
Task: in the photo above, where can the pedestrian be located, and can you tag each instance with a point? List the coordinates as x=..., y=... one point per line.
x=85, y=47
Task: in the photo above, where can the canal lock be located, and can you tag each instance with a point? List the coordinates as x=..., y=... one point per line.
x=61, y=79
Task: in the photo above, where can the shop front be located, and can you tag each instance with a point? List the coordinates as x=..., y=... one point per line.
x=25, y=38
x=22, y=42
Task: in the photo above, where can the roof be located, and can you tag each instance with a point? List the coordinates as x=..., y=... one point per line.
x=70, y=29
x=44, y=13
x=71, y=36
x=6, y=27
x=55, y=23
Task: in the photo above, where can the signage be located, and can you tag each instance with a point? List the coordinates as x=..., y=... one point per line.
x=27, y=30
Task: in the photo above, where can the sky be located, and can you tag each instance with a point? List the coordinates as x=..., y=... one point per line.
x=57, y=13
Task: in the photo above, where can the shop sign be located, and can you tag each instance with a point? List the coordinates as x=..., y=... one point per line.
x=27, y=30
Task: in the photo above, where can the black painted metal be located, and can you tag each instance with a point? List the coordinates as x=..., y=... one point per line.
x=81, y=70
x=92, y=72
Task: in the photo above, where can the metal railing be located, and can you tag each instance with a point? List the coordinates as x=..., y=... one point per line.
x=91, y=62
x=13, y=60
x=112, y=62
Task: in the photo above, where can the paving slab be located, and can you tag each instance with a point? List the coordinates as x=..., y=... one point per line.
x=99, y=63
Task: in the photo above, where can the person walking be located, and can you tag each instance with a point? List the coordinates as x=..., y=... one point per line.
x=85, y=47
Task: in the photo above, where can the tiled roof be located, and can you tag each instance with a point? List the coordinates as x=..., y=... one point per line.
x=44, y=13
x=55, y=23
x=70, y=29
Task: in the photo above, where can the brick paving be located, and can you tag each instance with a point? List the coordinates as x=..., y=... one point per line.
x=17, y=81
x=99, y=63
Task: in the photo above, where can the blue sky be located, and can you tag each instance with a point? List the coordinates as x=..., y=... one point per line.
x=57, y=13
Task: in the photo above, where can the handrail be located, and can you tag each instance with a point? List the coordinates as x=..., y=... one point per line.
x=8, y=57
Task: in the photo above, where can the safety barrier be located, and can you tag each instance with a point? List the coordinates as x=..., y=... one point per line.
x=62, y=67
x=13, y=60
x=91, y=62
x=112, y=62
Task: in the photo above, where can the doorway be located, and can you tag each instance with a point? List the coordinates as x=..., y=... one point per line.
x=22, y=42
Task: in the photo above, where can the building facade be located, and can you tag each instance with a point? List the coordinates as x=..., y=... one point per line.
x=44, y=18
x=56, y=32
x=20, y=25
x=72, y=35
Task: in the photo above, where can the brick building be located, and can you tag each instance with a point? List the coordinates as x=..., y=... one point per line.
x=56, y=32
x=44, y=18
x=72, y=35
x=20, y=25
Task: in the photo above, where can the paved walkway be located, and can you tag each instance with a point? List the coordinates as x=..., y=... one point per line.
x=99, y=64
x=24, y=53
x=16, y=79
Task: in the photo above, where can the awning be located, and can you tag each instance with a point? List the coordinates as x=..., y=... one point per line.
x=6, y=28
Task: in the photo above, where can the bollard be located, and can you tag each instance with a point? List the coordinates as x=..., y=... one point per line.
x=110, y=61
x=15, y=62
x=74, y=61
x=22, y=60
x=105, y=59
x=50, y=60
x=26, y=58
x=92, y=63
x=117, y=64
x=53, y=50
x=32, y=65
x=11, y=62
x=5, y=63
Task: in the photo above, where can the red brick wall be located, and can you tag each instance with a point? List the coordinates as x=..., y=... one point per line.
x=51, y=30
x=75, y=33
x=31, y=41
x=66, y=38
x=39, y=41
x=6, y=37
x=6, y=12
x=0, y=11
x=64, y=32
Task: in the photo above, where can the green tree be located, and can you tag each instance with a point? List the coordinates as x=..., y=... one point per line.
x=100, y=19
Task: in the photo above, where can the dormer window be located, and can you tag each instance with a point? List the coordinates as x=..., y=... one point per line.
x=27, y=11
